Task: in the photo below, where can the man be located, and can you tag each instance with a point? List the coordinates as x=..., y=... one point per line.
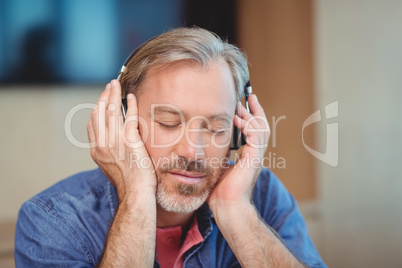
x=165, y=194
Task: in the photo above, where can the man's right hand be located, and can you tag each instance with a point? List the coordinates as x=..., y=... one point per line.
x=131, y=238
x=115, y=144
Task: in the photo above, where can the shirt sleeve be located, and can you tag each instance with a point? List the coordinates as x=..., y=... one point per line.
x=45, y=239
x=280, y=211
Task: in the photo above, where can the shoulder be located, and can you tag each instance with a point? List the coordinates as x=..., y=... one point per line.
x=274, y=202
x=269, y=192
x=68, y=219
x=85, y=191
x=79, y=186
x=280, y=211
x=87, y=188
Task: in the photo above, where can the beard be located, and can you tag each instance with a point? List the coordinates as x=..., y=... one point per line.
x=175, y=196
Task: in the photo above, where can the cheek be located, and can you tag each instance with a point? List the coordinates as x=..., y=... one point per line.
x=149, y=141
x=220, y=141
x=159, y=156
x=164, y=138
x=144, y=129
x=216, y=158
x=155, y=138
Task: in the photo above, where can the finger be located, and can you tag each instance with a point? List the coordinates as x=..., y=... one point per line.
x=132, y=108
x=114, y=119
x=91, y=135
x=104, y=97
x=115, y=98
x=241, y=117
x=257, y=135
x=257, y=119
x=258, y=111
x=132, y=121
x=92, y=141
x=248, y=121
x=132, y=115
x=240, y=123
x=255, y=106
x=98, y=114
x=242, y=112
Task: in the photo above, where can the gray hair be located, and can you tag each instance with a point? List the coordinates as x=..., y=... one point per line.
x=189, y=44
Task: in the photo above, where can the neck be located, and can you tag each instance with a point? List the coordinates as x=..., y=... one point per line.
x=165, y=218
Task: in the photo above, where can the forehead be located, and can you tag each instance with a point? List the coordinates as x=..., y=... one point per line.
x=193, y=89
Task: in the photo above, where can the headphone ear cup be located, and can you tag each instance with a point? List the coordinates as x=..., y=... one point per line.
x=243, y=139
x=124, y=108
x=236, y=141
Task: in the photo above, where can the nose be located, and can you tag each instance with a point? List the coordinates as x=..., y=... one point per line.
x=192, y=144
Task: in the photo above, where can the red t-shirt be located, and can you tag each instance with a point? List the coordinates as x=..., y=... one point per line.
x=168, y=247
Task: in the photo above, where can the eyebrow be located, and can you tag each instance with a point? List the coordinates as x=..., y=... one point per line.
x=159, y=110
x=224, y=118
x=162, y=110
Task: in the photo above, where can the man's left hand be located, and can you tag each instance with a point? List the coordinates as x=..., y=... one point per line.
x=235, y=188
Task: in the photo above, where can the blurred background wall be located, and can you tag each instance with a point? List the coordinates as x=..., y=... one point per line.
x=358, y=62
x=303, y=56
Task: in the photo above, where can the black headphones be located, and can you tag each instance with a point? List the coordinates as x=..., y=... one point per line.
x=238, y=138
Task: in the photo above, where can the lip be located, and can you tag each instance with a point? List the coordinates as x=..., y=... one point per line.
x=187, y=177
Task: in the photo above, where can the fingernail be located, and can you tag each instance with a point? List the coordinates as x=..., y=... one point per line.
x=113, y=82
x=108, y=86
x=130, y=96
x=255, y=96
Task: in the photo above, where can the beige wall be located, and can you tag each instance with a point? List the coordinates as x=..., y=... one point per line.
x=359, y=62
x=35, y=152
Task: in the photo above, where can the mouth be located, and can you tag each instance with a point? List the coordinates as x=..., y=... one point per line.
x=187, y=177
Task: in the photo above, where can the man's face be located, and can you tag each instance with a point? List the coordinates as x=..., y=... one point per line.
x=188, y=113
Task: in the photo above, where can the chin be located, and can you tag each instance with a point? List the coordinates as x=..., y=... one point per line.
x=174, y=194
x=179, y=204
x=181, y=198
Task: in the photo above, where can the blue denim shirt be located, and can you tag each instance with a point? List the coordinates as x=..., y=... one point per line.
x=67, y=224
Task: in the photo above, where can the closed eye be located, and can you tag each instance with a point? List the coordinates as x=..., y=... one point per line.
x=219, y=131
x=169, y=126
